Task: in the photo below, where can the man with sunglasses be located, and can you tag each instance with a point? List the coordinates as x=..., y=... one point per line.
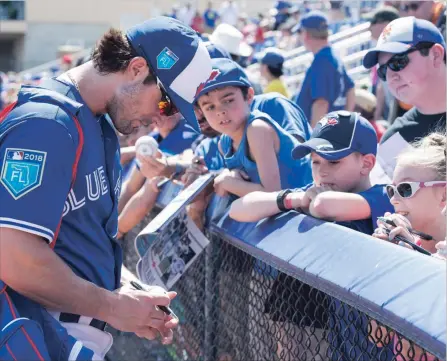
x=411, y=57
x=60, y=181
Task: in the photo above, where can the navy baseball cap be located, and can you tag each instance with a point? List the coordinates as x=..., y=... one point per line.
x=177, y=56
x=273, y=59
x=313, y=20
x=339, y=134
x=402, y=34
x=217, y=51
x=225, y=72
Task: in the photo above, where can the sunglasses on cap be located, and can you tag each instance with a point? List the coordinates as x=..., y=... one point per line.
x=165, y=105
x=400, y=61
x=409, y=189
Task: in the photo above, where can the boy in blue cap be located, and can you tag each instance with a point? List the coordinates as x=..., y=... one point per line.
x=327, y=86
x=343, y=147
x=271, y=70
x=60, y=178
x=256, y=150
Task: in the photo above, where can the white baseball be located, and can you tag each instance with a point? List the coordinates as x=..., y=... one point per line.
x=146, y=145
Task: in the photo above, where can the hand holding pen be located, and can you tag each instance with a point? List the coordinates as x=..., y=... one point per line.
x=401, y=231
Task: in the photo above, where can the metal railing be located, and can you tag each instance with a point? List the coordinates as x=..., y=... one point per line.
x=295, y=288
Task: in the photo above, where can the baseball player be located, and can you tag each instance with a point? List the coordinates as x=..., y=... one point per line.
x=58, y=244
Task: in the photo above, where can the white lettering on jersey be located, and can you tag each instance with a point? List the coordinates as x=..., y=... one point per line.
x=96, y=186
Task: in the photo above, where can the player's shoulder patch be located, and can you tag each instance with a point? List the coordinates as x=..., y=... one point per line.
x=22, y=170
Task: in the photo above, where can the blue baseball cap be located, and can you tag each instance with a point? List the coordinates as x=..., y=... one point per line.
x=313, y=20
x=281, y=4
x=402, y=34
x=339, y=134
x=177, y=56
x=217, y=51
x=273, y=59
x=225, y=72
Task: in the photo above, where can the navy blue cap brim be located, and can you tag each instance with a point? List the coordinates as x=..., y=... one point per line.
x=313, y=145
x=207, y=89
x=186, y=109
x=372, y=56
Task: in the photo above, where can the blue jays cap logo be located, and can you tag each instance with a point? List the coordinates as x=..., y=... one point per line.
x=214, y=74
x=166, y=59
x=22, y=171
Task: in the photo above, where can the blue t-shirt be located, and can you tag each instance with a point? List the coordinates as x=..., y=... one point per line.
x=293, y=173
x=178, y=140
x=284, y=112
x=326, y=78
x=378, y=202
x=208, y=149
x=38, y=143
x=210, y=16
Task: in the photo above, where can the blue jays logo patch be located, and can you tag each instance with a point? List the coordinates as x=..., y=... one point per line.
x=22, y=170
x=166, y=59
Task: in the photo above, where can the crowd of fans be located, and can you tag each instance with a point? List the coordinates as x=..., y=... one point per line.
x=312, y=151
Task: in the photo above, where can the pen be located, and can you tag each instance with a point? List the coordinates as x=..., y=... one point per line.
x=422, y=235
x=413, y=245
x=165, y=309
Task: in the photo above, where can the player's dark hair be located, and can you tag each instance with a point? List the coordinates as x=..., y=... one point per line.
x=113, y=53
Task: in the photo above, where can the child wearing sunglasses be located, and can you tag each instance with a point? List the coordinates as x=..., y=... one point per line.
x=418, y=194
x=256, y=149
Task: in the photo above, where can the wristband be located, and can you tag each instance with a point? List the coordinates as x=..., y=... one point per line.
x=280, y=200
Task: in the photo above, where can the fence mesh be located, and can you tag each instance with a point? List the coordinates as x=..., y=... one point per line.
x=234, y=307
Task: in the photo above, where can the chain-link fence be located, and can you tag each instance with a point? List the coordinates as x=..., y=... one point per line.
x=233, y=306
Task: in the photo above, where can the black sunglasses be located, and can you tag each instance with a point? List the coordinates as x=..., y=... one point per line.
x=411, y=6
x=165, y=105
x=400, y=61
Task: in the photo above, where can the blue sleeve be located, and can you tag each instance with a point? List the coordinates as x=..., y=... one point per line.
x=291, y=118
x=378, y=202
x=320, y=80
x=349, y=83
x=35, y=178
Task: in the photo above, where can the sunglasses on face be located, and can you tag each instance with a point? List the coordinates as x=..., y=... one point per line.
x=412, y=6
x=409, y=189
x=165, y=105
x=399, y=61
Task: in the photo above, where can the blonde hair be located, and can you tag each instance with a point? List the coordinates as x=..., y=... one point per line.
x=428, y=152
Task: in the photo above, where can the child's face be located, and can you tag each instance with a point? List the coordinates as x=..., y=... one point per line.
x=344, y=175
x=225, y=109
x=426, y=205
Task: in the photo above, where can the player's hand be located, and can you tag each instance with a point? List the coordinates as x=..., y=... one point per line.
x=135, y=311
x=152, y=167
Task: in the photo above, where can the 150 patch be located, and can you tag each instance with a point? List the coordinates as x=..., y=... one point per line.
x=22, y=170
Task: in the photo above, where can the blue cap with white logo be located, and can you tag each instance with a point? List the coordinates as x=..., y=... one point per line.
x=339, y=134
x=217, y=51
x=313, y=20
x=177, y=56
x=402, y=34
x=225, y=72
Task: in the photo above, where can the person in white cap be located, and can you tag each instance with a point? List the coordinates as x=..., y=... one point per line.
x=411, y=57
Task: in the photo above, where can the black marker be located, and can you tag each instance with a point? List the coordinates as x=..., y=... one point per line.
x=165, y=309
x=422, y=235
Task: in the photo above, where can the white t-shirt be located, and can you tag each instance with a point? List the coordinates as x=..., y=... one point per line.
x=229, y=13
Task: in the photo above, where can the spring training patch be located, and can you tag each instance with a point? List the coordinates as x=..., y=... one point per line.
x=166, y=59
x=22, y=171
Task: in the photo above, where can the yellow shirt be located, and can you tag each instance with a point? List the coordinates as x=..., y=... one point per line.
x=276, y=85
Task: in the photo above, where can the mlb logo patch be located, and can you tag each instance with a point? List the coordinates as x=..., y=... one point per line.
x=166, y=59
x=22, y=171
